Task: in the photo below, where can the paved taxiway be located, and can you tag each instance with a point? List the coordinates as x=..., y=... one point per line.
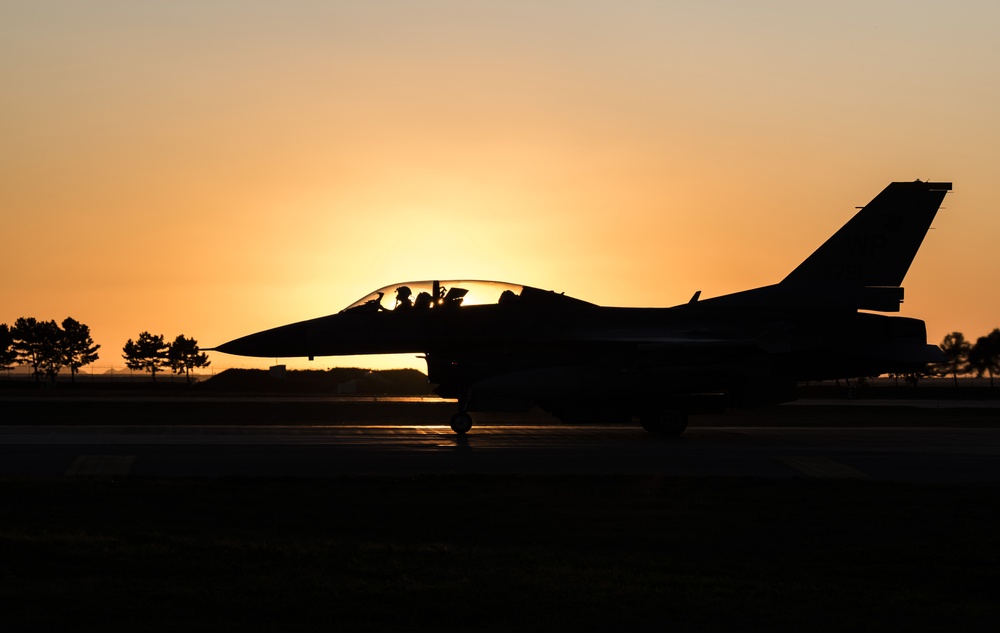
x=891, y=454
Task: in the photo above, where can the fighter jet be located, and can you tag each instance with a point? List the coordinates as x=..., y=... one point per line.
x=495, y=346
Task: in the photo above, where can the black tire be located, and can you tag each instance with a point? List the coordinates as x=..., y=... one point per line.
x=461, y=422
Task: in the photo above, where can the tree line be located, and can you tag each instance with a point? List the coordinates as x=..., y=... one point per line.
x=965, y=358
x=48, y=347
x=151, y=353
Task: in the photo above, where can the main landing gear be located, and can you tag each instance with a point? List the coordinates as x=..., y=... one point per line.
x=461, y=422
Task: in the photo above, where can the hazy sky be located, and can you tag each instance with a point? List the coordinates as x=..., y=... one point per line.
x=214, y=168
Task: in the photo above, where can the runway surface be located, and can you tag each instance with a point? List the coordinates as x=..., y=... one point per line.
x=968, y=455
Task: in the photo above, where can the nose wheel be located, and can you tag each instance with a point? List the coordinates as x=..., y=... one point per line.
x=461, y=422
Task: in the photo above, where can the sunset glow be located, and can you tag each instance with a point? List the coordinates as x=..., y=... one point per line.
x=214, y=169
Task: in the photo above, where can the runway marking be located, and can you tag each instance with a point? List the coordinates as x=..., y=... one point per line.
x=822, y=468
x=100, y=465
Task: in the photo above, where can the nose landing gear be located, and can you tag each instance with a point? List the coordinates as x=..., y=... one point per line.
x=461, y=422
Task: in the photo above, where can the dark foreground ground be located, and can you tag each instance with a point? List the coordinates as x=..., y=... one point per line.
x=497, y=553
x=491, y=552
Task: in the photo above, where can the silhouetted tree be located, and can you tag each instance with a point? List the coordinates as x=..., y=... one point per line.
x=148, y=353
x=39, y=344
x=956, y=350
x=984, y=356
x=7, y=354
x=78, y=347
x=184, y=355
x=26, y=346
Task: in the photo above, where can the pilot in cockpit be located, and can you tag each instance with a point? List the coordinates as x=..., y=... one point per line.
x=403, y=298
x=423, y=301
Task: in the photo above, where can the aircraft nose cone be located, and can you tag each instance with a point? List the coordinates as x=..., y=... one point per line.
x=334, y=335
x=243, y=346
x=232, y=347
x=315, y=337
x=282, y=341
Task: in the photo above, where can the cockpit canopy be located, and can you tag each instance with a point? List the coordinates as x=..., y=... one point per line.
x=427, y=295
x=436, y=294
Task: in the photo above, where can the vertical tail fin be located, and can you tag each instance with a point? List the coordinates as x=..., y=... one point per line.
x=875, y=248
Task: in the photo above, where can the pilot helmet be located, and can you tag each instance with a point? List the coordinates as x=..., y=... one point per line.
x=403, y=291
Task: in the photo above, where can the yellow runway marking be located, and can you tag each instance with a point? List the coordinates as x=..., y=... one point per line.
x=822, y=468
x=100, y=465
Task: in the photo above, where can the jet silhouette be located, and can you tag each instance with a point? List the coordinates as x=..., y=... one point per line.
x=494, y=345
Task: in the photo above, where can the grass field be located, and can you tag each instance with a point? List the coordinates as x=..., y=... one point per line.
x=497, y=553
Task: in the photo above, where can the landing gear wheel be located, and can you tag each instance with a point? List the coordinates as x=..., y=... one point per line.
x=461, y=422
x=664, y=423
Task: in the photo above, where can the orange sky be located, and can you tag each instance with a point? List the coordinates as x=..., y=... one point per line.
x=216, y=168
